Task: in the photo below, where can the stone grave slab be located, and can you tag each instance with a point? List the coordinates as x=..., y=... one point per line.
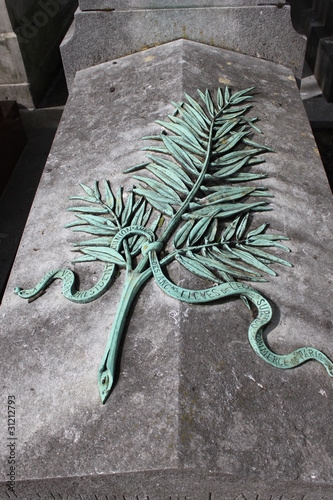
x=194, y=413
x=102, y=35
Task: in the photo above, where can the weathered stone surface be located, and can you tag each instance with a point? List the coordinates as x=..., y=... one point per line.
x=194, y=412
x=5, y=24
x=161, y=4
x=172, y=484
x=100, y=36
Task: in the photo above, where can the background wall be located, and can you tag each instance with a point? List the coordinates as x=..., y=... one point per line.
x=32, y=31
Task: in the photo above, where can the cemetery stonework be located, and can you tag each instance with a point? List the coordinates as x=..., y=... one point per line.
x=108, y=29
x=193, y=412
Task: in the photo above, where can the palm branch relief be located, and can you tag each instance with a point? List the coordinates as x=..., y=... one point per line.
x=193, y=202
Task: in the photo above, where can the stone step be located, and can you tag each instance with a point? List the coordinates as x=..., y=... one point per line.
x=317, y=24
x=316, y=32
x=324, y=67
x=306, y=17
x=103, y=35
x=324, y=12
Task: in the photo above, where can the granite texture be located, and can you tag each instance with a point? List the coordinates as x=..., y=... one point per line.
x=101, y=36
x=5, y=25
x=171, y=484
x=194, y=413
x=161, y=4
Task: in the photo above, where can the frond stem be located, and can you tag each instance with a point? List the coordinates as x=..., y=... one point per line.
x=176, y=218
x=111, y=212
x=128, y=256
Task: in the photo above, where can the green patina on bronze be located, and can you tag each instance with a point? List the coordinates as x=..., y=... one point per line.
x=198, y=179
